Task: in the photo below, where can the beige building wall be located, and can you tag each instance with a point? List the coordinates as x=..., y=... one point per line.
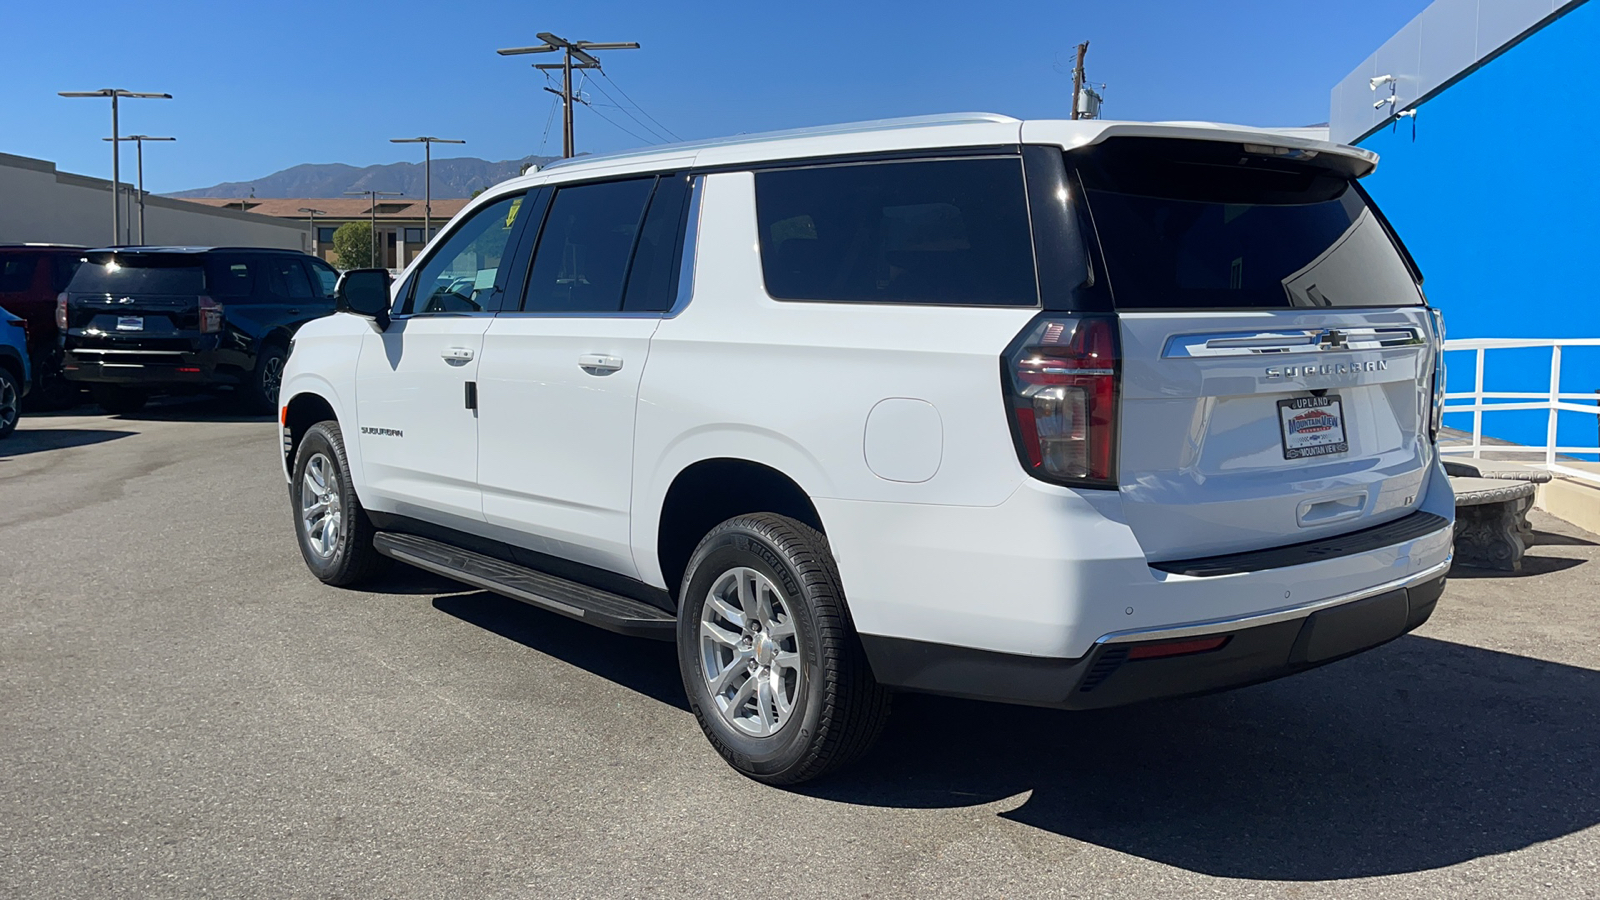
x=39, y=204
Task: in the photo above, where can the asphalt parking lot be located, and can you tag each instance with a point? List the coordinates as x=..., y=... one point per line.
x=185, y=712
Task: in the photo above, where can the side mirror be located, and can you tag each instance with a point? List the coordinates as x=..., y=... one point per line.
x=364, y=292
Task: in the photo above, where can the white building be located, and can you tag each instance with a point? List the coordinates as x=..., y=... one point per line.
x=41, y=205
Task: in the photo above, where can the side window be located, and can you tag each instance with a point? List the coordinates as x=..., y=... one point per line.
x=62, y=268
x=582, y=260
x=233, y=277
x=16, y=272
x=323, y=279
x=287, y=279
x=950, y=231
x=653, y=277
x=461, y=273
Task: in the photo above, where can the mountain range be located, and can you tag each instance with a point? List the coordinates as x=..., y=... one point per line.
x=455, y=177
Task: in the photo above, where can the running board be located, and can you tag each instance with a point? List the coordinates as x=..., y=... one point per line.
x=613, y=612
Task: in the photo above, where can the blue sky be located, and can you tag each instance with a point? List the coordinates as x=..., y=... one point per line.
x=333, y=81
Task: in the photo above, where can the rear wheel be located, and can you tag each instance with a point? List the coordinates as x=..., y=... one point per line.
x=335, y=535
x=261, y=394
x=10, y=402
x=51, y=391
x=774, y=671
x=119, y=400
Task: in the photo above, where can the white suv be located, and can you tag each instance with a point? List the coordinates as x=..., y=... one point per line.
x=1071, y=414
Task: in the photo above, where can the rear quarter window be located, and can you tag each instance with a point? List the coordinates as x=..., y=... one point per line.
x=943, y=232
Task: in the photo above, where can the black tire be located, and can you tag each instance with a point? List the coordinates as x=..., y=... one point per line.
x=351, y=558
x=261, y=394
x=120, y=400
x=10, y=402
x=838, y=708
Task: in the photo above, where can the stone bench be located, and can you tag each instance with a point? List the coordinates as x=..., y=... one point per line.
x=1492, y=529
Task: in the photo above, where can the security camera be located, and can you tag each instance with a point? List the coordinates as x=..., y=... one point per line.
x=1387, y=101
x=1406, y=113
x=1375, y=83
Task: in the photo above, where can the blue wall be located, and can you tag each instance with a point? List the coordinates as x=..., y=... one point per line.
x=1498, y=198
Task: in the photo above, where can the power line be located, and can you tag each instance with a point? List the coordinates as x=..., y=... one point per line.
x=636, y=105
x=625, y=111
x=636, y=137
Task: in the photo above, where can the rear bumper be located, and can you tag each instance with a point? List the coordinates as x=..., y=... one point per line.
x=1118, y=669
x=146, y=368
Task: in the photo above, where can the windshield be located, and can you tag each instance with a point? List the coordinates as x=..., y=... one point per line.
x=1198, y=225
x=129, y=273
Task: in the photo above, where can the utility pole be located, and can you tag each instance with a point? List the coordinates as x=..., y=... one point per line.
x=427, y=178
x=1077, y=79
x=139, y=140
x=571, y=50
x=373, y=196
x=116, y=149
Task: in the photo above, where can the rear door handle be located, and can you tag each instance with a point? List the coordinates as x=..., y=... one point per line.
x=597, y=364
x=294, y=310
x=456, y=354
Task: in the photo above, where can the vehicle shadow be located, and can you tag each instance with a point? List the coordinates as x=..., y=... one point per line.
x=205, y=408
x=36, y=440
x=1531, y=565
x=1417, y=755
x=644, y=666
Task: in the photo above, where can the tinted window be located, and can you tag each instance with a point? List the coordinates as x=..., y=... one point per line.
x=461, y=273
x=1208, y=225
x=16, y=273
x=233, y=277
x=323, y=278
x=936, y=231
x=653, y=278
x=138, y=273
x=62, y=268
x=582, y=259
x=287, y=279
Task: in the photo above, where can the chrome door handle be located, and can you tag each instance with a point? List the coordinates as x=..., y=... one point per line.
x=596, y=364
x=456, y=354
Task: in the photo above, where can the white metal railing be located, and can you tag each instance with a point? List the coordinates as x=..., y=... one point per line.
x=1553, y=400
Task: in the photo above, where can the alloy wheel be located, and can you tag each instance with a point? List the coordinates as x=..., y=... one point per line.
x=750, y=652
x=10, y=403
x=321, y=514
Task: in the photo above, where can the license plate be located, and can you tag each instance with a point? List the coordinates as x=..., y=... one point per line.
x=1312, y=426
x=130, y=323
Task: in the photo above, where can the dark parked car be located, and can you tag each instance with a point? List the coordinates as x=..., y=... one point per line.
x=142, y=320
x=31, y=277
x=13, y=370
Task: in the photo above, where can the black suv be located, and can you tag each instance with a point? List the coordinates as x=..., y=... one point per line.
x=138, y=320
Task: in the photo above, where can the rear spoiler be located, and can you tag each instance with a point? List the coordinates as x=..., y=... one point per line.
x=1343, y=158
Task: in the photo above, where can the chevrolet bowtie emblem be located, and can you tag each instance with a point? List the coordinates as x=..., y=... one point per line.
x=1334, y=339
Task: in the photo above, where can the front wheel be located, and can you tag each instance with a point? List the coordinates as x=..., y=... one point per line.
x=335, y=535
x=10, y=402
x=772, y=666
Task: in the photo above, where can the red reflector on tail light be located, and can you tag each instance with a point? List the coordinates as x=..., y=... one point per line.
x=1061, y=377
x=1177, y=648
x=194, y=369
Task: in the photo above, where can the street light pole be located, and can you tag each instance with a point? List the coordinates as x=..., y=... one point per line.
x=116, y=148
x=570, y=50
x=312, y=214
x=427, y=177
x=373, y=228
x=139, y=140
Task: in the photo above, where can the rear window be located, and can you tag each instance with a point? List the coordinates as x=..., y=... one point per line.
x=1207, y=225
x=952, y=231
x=136, y=273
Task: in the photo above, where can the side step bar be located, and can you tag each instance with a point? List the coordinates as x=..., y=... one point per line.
x=613, y=612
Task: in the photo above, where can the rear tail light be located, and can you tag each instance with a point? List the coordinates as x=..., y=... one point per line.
x=1436, y=392
x=1061, y=377
x=61, y=310
x=210, y=316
